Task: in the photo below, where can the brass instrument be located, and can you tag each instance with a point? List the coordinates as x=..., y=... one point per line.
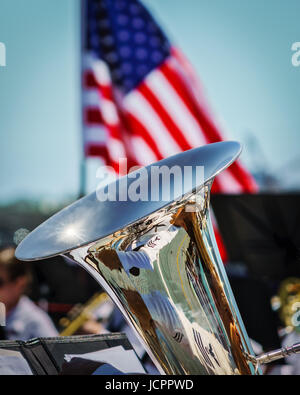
x=287, y=303
x=158, y=261
x=80, y=314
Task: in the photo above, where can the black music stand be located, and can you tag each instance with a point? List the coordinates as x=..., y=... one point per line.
x=70, y=355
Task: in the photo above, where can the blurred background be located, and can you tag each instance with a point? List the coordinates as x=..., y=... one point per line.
x=242, y=52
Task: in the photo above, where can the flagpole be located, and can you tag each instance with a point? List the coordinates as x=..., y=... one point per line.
x=82, y=185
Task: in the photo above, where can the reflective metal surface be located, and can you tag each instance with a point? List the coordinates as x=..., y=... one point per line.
x=274, y=355
x=164, y=274
x=88, y=219
x=160, y=264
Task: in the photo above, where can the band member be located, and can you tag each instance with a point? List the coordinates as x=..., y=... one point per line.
x=24, y=320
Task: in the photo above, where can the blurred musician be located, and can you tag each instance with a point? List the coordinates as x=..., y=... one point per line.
x=24, y=320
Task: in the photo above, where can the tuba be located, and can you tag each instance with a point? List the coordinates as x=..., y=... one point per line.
x=157, y=258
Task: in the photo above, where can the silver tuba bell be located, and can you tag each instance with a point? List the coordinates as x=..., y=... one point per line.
x=157, y=259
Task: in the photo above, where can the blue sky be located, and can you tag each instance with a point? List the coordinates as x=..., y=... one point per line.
x=241, y=50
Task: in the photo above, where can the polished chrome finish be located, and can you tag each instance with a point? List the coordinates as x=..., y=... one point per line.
x=274, y=355
x=159, y=262
x=88, y=220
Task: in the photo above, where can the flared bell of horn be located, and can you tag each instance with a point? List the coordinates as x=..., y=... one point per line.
x=147, y=239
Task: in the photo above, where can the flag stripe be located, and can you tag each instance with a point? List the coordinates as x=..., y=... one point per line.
x=96, y=134
x=97, y=150
x=226, y=180
x=93, y=116
x=176, y=108
x=137, y=105
x=181, y=89
x=164, y=116
x=144, y=153
x=139, y=129
x=205, y=124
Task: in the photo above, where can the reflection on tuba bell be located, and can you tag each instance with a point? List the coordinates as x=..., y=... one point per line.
x=158, y=260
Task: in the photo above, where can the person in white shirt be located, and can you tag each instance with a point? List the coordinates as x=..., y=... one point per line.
x=24, y=320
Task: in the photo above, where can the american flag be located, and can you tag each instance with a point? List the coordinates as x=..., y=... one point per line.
x=142, y=100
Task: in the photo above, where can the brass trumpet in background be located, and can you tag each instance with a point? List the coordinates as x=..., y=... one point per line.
x=287, y=303
x=99, y=305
